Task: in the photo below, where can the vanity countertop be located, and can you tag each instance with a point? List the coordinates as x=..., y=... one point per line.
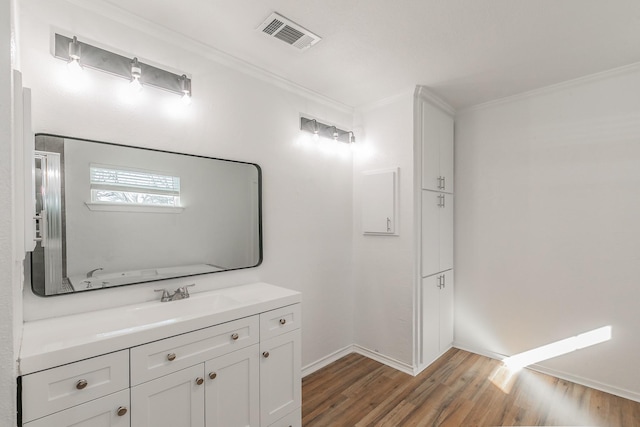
x=51, y=342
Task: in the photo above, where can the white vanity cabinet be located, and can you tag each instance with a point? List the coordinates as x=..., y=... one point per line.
x=237, y=366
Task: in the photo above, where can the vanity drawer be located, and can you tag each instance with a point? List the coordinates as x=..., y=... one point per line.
x=112, y=411
x=279, y=321
x=59, y=388
x=169, y=355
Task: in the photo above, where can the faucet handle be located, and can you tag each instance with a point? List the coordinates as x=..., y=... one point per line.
x=185, y=291
x=165, y=294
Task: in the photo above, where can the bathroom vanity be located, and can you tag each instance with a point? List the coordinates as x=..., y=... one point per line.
x=229, y=357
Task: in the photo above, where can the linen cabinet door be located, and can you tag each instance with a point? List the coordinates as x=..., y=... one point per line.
x=431, y=202
x=173, y=400
x=446, y=311
x=430, y=135
x=430, y=318
x=280, y=377
x=232, y=390
x=445, y=230
x=446, y=152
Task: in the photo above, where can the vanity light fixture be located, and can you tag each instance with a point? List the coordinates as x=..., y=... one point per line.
x=138, y=73
x=327, y=131
x=74, y=56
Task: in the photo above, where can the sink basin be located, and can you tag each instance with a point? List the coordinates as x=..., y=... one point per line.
x=175, y=311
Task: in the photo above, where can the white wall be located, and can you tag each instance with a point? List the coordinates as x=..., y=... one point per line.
x=547, y=230
x=10, y=264
x=384, y=266
x=307, y=211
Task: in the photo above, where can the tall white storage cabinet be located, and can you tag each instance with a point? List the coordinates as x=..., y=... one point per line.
x=434, y=142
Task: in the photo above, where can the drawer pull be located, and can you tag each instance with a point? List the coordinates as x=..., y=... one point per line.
x=81, y=384
x=199, y=381
x=121, y=411
x=265, y=354
x=283, y=321
x=212, y=375
x=171, y=357
x=235, y=336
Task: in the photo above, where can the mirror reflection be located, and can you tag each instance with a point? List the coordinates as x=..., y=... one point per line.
x=112, y=215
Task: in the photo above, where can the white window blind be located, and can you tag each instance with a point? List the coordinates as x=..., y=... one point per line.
x=115, y=184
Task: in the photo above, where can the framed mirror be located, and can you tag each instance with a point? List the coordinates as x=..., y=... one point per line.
x=113, y=215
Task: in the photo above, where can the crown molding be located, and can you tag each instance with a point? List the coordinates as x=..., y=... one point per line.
x=427, y=94
x=630, y=68
x=209, y=52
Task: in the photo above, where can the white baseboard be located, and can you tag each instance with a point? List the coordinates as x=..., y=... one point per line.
x=326, y=360
x=338, y=354
x=607, y=388
x=386, y=360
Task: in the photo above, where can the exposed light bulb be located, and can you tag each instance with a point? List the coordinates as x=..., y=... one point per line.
x=334, y=133
x=74, y=66
x=185, y=87
x=136, y=73
x=74, y=56
x=135, y=85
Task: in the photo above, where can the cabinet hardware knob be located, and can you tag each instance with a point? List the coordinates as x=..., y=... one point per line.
x=283, y=321
x=235, y=336
x=212, y=375
x=199, y=381
x=81, y=384
x=121, y=411
x=171, y=357
x=265, y=354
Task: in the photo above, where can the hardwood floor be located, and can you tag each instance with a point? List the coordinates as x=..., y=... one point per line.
x=459, y=389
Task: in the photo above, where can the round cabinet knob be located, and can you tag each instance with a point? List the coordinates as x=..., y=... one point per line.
x=199, y=381
x=212, y=375
x=171, y=357
x=81, y=384
x=265, y=354
x=235, y=336
x=283, y=321
x=121, y=411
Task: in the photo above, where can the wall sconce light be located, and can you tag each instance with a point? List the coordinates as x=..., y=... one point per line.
x=79, y=55
x=328, y=131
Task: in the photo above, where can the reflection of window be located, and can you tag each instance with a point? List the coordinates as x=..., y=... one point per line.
x=111, y=184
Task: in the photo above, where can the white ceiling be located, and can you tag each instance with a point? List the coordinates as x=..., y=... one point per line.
x=467, y=51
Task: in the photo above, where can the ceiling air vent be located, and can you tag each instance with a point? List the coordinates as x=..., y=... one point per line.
x=288, y=31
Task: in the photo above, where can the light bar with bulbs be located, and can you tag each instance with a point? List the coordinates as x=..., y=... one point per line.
x=79, y=54
x=326, y=131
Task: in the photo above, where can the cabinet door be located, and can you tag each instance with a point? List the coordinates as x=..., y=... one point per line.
x=379, y=190
x=280, y=377
x=430, y=324
x=232, y=393
x=108, y=411
x=446, y=311
x=437, y=149
x=430, y=232
x=170, y=401
x=430, y=147
x=446, y=152
x=445, y=230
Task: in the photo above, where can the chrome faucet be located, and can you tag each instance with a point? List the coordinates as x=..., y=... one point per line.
x=180, y=293
x=90, y=274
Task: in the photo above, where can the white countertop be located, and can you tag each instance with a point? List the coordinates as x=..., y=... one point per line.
x=51, y=342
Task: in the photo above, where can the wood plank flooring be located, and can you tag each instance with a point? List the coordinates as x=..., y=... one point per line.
x=459, y=389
